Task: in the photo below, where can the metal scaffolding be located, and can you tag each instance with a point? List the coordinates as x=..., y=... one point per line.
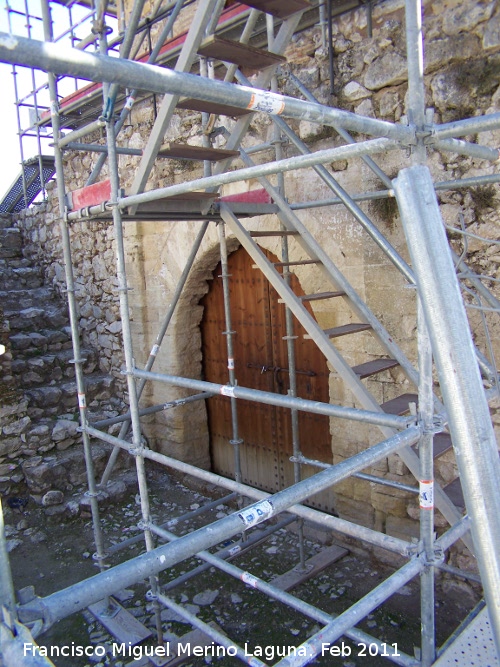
x=460, y=405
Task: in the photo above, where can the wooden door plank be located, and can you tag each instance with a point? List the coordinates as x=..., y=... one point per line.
x=259, y=322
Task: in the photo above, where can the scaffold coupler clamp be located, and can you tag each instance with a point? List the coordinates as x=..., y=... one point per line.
x=150, y=596
x=436, y=558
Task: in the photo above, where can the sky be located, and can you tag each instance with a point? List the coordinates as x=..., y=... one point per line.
x=11, y=162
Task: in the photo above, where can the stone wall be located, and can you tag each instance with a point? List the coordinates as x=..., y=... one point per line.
x=462, y=78
x=93, y=254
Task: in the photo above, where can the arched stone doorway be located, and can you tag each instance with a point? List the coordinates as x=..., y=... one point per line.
x=261, y=363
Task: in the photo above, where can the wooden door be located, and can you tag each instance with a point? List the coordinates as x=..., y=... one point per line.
x=260, y=355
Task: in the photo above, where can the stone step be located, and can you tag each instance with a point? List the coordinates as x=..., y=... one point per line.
x=61, y=397
x=39, y=342
x=347, y=329
x=14, y=300
x=62, y=469
x=243, y=55
x=18, y=273
x=49, y=368
x=399, y=405
x=51, y=316
x=442, y=444
x=188, y=152
x=370, y=368
x=280, y=8
x=11, y=242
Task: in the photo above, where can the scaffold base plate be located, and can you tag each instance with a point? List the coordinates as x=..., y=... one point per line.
x=313, y=566
x=475, y=646
x=121, y=624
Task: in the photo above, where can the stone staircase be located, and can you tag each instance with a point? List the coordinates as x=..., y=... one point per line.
x=38, y=404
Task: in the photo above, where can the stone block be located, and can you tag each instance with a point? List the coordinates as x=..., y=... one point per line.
x=389, y=102
x=402, y=528
x=355, y=91
x=464, y=18
x=448, y=50
x=388, y=70
x=396, y=465
x=389, y=504
x=10, y=445
x=365, y=109
x=64, y=429
x=114, y=492
x=62, y=445
x=6, y=469
x=16, y=427
x=355, y=510
x=13, y=409
x=491, y=35
x=54, y=497
x=10, y=242
x=41, y=476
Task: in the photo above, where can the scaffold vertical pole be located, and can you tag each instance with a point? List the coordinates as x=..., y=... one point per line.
x=290, y=336
x=156, y=347
x=236, y=441
x=416, y=90
x=72, y=305
x=127, y=107
x=460, y=380
x=7, y=597
x=129, y=362
x=426, y=495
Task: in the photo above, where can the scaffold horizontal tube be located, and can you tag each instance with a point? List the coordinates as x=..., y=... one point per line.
x=256, y=395
x=59, y=59
x=460, y=128
x=78, y=596
x=80, y=133
x=286, y=598
x=359, y=475
x=359, y=610
x=172, y=522
x=153, y=409
x=212, y=632
x=369, y=147
x=242, y=548
x=97, y=148
x=315, y=516
x=465, y=148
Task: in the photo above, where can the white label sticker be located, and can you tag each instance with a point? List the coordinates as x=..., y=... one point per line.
x=426, y=495
x=230, y=363
x=226, y=390
x=234, y=550
x=130, y=102
x=267, y=102
x=54, y=109
x=256, y=513
x=249, y=579
x=154, y=350
x=82, y=403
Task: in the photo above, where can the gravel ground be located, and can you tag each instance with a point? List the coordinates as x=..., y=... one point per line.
x=51, y=552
